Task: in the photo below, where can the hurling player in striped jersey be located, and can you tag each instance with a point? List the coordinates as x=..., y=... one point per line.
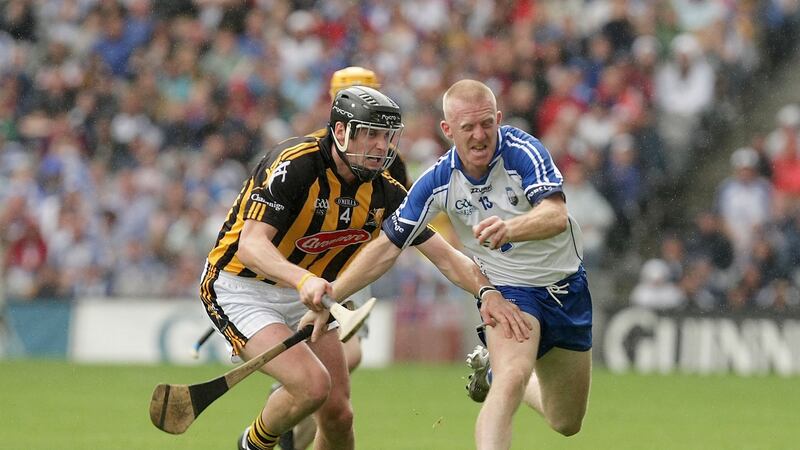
x=303, y=433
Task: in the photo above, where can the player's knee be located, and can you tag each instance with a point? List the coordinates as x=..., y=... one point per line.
x=353, y=359
x=337, y=418
x=315, y=392
x=516, y=378
x=566, y=425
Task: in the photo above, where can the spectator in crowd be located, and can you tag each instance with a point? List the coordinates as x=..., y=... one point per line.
x=744, y=201
x=24, y=261
x=786, y=156
x=673, y=254
x=707, y=240
x=684, y=91
x=655, y=288
x=780, y=296
x=741, y=297
x=624, y=189
x=591, y=210
x=702, y=284
x=784, y=139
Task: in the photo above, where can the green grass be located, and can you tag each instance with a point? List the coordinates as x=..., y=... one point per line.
x=45, y=405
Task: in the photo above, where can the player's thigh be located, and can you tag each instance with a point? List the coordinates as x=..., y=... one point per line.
x=509, y=356
x=296, y=366
x=336, y=411
x=352, y=352
x=330, y=352
x=564, y=380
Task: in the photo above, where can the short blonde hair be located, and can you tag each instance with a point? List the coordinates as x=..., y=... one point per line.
x=467, y=91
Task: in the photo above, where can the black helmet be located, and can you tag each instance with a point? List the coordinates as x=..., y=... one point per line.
x=362, y=107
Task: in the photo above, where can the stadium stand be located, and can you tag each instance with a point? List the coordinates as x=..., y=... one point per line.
x=125, y=126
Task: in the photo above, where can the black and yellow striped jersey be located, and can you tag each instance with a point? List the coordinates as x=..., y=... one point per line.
x=322, y=221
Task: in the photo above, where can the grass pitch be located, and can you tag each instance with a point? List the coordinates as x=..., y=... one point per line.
x=45, y=405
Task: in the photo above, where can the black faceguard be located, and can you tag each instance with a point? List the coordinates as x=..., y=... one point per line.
x=373, y=122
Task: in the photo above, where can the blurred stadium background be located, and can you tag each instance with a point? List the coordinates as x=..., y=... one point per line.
x=126, y=128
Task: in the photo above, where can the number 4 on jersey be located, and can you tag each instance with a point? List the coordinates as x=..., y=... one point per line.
x=345, y=216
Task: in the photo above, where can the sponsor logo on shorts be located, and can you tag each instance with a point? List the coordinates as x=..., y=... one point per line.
x=326, y=240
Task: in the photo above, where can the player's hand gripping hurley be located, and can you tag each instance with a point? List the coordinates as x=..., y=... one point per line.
x=174, y=407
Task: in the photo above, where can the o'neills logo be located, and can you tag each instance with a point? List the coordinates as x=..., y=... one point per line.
x=347, y=202
x=326, y=240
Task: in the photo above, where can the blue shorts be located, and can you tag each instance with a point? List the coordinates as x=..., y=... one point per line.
x=563, y=309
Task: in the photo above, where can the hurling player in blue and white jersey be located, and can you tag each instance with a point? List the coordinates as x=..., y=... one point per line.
x=503, y=194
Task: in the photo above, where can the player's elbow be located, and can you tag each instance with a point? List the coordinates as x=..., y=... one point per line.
x=567, y=427
x=560, y=222
x=245, y=254
x=247, y=246
x=555, y=223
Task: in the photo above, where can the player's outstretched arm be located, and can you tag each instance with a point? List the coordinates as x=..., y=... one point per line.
x=464, y=273
x=375, y=259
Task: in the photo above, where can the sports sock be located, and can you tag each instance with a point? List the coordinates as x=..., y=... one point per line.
x=259, y=438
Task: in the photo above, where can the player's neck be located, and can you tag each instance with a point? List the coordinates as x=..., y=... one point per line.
x=475, y=172
x=343, y=169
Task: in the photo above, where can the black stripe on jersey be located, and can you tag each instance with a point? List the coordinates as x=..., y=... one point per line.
x=315, y=225
x=336, y=264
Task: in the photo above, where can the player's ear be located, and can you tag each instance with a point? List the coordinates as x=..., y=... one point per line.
x=499, y=117
x=339, y=130
x=446, y=130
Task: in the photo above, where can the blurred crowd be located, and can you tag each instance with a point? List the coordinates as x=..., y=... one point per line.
x=127, y=126
x=744, y=252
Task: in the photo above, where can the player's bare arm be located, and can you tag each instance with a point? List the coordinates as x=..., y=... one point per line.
x=257, y=252
x=375, y=259
x=464, y=273
x=549, y=218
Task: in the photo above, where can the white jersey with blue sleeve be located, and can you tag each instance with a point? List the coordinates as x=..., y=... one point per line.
x=521, y=174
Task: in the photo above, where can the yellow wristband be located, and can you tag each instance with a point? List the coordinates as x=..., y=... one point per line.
x=303, y=280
